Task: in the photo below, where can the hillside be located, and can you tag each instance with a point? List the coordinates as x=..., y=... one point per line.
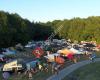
x=14, y=29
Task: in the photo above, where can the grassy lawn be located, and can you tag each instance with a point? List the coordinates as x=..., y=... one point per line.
x=98, y=54
x=88, y=72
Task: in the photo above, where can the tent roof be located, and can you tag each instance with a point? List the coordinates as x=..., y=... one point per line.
x=65, y=51
x=75, y=51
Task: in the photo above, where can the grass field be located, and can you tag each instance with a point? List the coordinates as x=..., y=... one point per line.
x=88, y=72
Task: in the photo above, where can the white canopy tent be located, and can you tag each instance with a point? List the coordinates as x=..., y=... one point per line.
x=50, y=57
x=75, y=51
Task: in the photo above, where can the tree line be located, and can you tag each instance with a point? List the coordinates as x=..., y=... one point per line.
x=14, y=29
x=79, y=29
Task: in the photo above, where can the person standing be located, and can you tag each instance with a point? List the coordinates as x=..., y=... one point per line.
x=5, y=75
x=30, y=75
x=56, y=69
x=40, y=67
x=93, y=55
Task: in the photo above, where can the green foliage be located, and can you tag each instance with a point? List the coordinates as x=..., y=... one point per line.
x=14, y=29
x=79, y=29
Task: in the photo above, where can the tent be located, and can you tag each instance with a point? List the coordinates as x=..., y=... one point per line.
x=75, y=51
x=9, y=52
x=50, y=57
x=59, y=60
x=55, y=58
x=65, y=52
x=32, y=64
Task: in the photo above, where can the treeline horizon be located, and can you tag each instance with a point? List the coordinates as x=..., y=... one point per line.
x=14, y=29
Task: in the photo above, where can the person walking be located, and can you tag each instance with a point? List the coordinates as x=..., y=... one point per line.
x=30, y=75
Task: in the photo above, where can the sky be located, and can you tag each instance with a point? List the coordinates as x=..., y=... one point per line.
x=49, y=10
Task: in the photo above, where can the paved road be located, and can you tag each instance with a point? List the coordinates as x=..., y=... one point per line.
x=66, y=71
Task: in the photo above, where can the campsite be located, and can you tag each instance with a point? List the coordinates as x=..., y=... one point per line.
x=43, y=58
x=49, y=39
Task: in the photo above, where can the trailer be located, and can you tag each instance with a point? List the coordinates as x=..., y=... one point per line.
x=12, y=66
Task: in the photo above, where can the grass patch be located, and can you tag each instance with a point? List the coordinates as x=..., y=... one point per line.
x=88, y=72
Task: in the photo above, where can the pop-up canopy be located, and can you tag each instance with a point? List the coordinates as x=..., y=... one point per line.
x=75, y=51
x=59, y=60
x=65, y=52
x=69, y=54
x=55, y=58
x=51, y=57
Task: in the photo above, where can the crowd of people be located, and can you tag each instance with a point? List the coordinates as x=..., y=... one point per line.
x=54, y=67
